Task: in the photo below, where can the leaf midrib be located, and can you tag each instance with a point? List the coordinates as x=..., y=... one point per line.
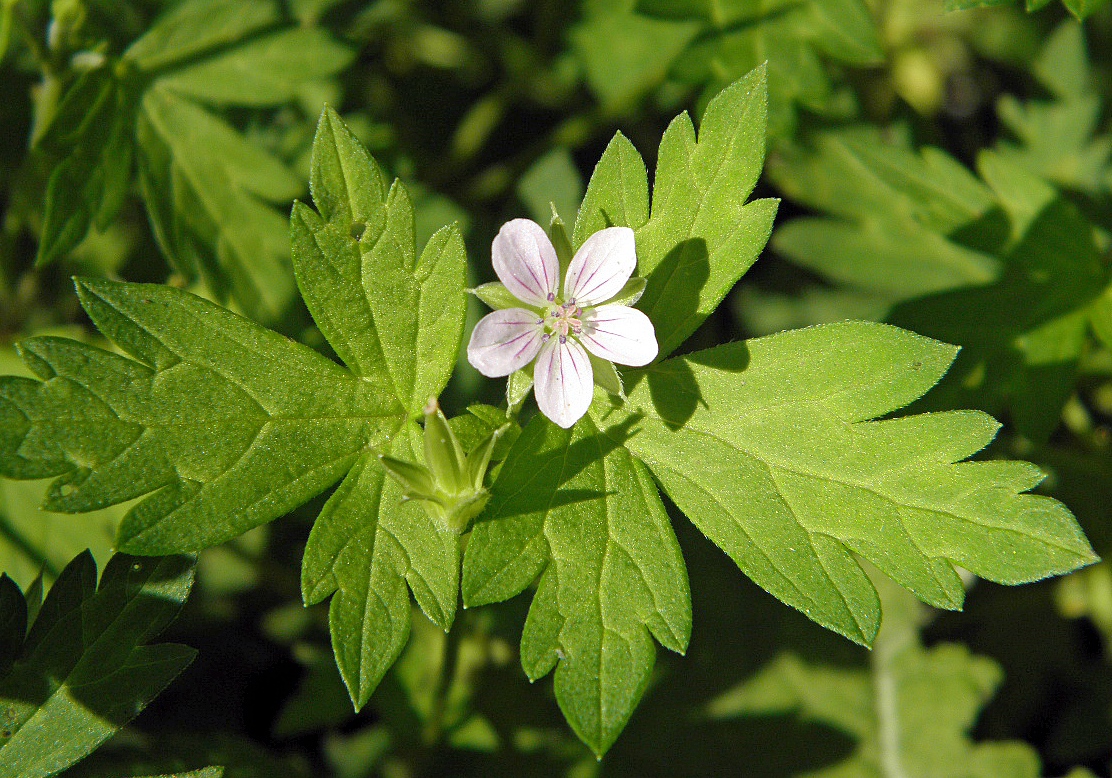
x=897, y=502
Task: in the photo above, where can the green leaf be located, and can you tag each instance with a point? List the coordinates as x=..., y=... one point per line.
x=618, y=193
x=625, y=55
x=910, y=712
x=790, y=38
x=34, y=542
x=701, y=236
x=628, y=48
x=894, y=209
x=1057, y=139
x=1021, y=338
x=13, y=622
x=767, y=447
x=1079, y=8
x=394, y=319
x=195, y=26
x=366, y=546
x=89, y=145
x=1083, y=9
x=225, y=424
x=920, y=230
x=264, y=71
x=552, y=180
x=205, y=189
x=84, y=670
x=575, y=508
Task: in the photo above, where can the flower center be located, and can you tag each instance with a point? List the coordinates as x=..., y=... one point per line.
x=562, y=320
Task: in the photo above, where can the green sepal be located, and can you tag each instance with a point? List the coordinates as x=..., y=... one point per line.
x=518, y=386
x=558, y=234
x=443, y=453
x=497, y=296
x=479, y=460
x=606, y=375
x=631, y=292
x=415, y=479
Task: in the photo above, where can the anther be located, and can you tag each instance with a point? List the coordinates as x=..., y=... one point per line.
x=551, y=297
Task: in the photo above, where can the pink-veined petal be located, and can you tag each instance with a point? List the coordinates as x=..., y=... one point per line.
x=601, y=267
x=563, y=381
x=505, y=341
x=619, y=334
x=525, y=261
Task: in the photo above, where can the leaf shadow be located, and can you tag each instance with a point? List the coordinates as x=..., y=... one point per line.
x=673, y=388
x=554, y=467
x=93, y=647
x=1050, y=274
x=676, y=284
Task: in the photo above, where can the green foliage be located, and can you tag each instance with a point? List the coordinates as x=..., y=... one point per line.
x=80, y=668
x=1002, y=266
x=805, y=468
x=227, y=425
x=753, y=443
x=701, y=235
x=394, y=319
x=207, y=189
x=198, y=419
x=367, y=546
x=575, y=506
x=1058, y=139
x=1079, y=8
x=910, y=712
x=710, y=45
x=890, y=210
x=948, y=173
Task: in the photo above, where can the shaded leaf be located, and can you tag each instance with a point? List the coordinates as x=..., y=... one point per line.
x=575, y=508
x=911, y=711
x=84, y=670
x=205, y=189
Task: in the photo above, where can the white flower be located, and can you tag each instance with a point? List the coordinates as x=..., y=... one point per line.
x=558, y=329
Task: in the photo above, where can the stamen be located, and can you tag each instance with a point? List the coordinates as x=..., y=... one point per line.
x=563, y=339
x=551, y=297
x=545, y=337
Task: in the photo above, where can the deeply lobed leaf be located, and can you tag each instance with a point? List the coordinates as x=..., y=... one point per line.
x=225, y=424
x=575, y=508
x=84, y=669
x=767, y=446
x=366, y=546
x=392, y=318
x=701, y=236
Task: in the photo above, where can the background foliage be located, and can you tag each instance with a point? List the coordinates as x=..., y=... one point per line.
x=946, y=167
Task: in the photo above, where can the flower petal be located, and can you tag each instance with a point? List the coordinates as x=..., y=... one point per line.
x=620, y=334
x=601, y=267
x=526, y=262
x=564, y=381
x=505, y=341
